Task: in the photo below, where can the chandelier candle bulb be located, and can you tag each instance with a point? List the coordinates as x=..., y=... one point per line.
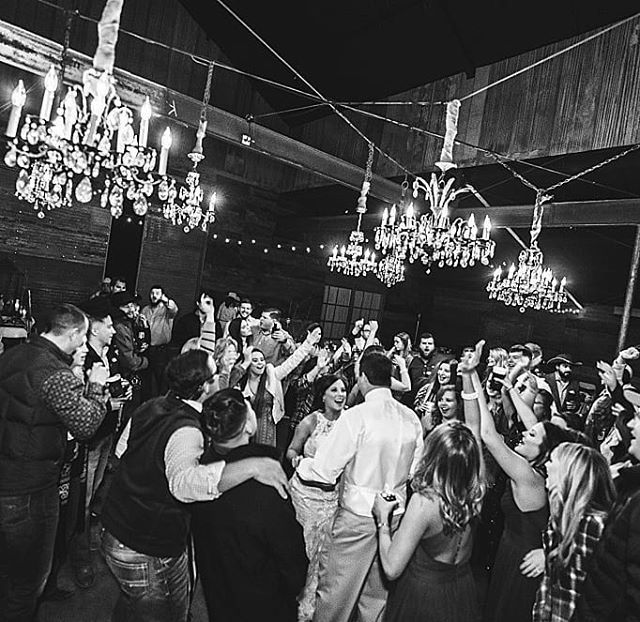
x=50, y=88
x=164, y=152
x=486, y=228
x=385, y=215
x=392, y=215
x=122, y=132
x=145, y=115
x=18, y=99
x=70, y=113
x=563, y=283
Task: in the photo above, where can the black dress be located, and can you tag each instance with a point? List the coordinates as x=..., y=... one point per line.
x=511, y=594
x=250, y=549
x=434, y=591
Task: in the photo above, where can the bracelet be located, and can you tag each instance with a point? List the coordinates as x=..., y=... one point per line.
x=382, y=526
x=469, y=396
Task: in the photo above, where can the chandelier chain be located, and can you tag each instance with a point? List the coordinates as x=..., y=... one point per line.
x=71, y=15
x=368, y=174
x=206, y=97
x=538, y=212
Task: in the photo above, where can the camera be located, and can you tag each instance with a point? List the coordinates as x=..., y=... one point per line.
x=497, y=372
x=117, y=386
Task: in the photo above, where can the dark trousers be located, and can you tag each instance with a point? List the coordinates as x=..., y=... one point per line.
x=152, y=589
x=158, y=358
x=28, y=526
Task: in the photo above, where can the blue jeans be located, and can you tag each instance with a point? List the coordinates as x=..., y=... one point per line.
x=152, y=589
x=28, y=526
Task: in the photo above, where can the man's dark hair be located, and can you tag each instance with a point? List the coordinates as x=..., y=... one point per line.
x=373, y=349
x=119, y=278
x=224, y=415
x=313, y=326
x=377, y=368
x=246, y=301
x=63, y=317
x=96, y=309
x=274, y=314
x=187, y=373
x=426, y=336
x=518, y=347
x=157, y=287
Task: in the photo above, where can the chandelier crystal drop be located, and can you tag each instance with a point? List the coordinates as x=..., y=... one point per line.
x=433, y=238
x=530, y=285
x=183, y=205
x=354, y=259
x=90, y=146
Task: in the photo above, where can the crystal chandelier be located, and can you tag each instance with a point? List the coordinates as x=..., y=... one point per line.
x=90, y=147
x=182, y=206
x=531, y=285
x=432, y=238
x=354, y=259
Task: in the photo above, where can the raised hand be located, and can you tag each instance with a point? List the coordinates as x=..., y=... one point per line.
x=471, y=360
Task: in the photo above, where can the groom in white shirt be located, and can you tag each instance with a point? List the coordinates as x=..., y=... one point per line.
x=377, y=445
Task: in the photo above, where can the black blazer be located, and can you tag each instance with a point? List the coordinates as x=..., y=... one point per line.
x=250, y=550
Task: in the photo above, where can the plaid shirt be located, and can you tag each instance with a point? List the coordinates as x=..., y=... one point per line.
x=561, y=587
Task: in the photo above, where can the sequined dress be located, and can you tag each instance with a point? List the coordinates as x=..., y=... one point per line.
x=315, y=510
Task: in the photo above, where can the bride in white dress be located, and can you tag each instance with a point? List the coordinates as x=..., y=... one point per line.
x=315, y=507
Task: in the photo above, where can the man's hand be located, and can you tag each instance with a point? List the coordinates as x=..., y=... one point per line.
x=607, y=375
x=98, y=374
x=358, y=324
x=374, y=326
x=270, y=473
x=630, y=354
x=279, y=335
x=324, y=356
x=400, y=361
x=229, y=359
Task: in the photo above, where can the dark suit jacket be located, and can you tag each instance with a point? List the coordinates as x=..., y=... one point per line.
x=572, y=397
x=110, y=422
x=250, y=550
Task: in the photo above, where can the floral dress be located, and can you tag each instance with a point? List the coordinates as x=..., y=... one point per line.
x=315, y=509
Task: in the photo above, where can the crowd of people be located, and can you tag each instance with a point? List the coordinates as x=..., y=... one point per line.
x=302, y=479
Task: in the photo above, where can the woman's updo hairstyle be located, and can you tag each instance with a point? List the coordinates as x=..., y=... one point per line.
x=224, y=415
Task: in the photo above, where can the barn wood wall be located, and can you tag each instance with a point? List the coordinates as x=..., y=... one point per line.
x=586, y=99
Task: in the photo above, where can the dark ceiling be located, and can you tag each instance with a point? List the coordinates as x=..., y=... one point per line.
x=370, y=49
x=358, y=50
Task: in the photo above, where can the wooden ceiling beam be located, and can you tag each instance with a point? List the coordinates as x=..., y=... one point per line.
x=605, y=213
x=32, y=53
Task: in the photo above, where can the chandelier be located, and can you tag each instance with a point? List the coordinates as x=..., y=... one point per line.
x=182, y=206
x=90, y=147
x=354, y=259
x=531, y=285
x=432, y=238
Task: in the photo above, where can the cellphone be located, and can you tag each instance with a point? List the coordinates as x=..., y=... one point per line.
x=276, y=326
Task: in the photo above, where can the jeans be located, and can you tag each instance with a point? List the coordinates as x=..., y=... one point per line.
x=97, y=459
x=152, y=589
x=28, y=526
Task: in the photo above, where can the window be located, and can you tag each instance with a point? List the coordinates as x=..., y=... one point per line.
x=342, y=306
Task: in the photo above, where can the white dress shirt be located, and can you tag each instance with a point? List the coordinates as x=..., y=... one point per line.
x=188, y=480
x=377, y=444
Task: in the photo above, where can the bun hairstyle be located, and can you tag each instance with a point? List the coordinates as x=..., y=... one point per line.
x=224, y=415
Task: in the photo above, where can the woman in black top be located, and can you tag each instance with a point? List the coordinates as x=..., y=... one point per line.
x=250, y=549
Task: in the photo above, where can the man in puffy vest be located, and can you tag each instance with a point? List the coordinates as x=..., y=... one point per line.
x=41, y=400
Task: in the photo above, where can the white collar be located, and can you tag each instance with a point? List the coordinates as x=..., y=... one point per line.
x=195, y=405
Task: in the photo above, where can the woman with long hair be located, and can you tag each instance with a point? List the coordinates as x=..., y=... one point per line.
x=425, y=401
x=261, y=383
x=315, y=507
x=429, y=554
x=401, y=347
x=447, y=406
x=581, y=493
x=520, y=560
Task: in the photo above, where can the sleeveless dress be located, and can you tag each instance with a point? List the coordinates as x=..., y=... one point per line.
x=511, y=594
x=434, y=591
x=315, y=510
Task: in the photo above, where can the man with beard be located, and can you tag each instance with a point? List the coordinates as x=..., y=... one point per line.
x=565, y=390
x=422, y=366
x=244, y=315
x=130, y=359
x=160, y=313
